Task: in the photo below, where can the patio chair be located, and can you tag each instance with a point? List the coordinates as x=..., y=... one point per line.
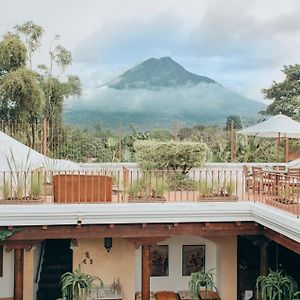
x=279, y=168
x=293, y=172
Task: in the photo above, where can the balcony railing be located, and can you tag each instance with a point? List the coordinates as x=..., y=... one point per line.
x=132, y=186
x=41, y=186
x=275, y=189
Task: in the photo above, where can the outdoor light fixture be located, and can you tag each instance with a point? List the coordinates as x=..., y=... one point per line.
x=73, y=244
x=107, y=243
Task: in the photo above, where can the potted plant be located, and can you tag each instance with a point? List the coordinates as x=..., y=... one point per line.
x=277, y=286
x=203, y=282
x=77, y=285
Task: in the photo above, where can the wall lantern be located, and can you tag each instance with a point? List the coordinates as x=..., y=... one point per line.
x=107, y=243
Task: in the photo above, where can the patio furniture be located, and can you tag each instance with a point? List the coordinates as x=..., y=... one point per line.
x=209, y=295
x=279, y=168
x=76, y=188
x=185, y=295
x=293, y=172
x=138, y=296
x=165, y=295
x=104, y=293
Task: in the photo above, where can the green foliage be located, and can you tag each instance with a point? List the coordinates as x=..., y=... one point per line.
x=202, y=279
x=33, y=34
x=37, y=184
x=150, y=186
x=29, y=96
x=20, y=180
x=160, y=134
x=181, y=182
x=12, y=53
x=77, y=285
x=248, y=149
x=22, y=98
x=237, y=123
x=213, y=188
x=6, y=233
x=277, y=286
x=285, y=95
x=170, y=155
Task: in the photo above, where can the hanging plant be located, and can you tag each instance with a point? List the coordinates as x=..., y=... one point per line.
x=6, y=233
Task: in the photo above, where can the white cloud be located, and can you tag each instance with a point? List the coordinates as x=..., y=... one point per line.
x=242, y=44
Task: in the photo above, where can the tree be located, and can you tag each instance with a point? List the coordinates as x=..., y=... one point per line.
x=170, y=155
x=33, y=34
x=285, y=95
x=237, y=123
x=30, y=95
x=12, y=53
x=22, y=97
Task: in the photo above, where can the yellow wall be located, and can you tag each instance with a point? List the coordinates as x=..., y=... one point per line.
x=118, y=263
x=226, y=268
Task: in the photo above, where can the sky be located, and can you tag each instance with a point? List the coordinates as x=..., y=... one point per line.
x=242, y=44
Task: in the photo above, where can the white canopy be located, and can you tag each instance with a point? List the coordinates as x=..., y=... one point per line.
x=21, y=157
x=279, y=125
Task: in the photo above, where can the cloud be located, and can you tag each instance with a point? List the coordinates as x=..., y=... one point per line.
x=241, y=44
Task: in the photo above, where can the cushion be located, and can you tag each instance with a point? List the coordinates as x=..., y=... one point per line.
x=165, y=295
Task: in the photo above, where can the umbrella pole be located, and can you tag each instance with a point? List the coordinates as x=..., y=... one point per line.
x=286, y=149
x=278, y=146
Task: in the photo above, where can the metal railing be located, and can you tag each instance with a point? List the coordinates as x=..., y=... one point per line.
x=277, y=190
x=125, y=185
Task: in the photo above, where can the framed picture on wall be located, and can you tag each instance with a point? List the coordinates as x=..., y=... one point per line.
x=159, y=260
x=193, y=259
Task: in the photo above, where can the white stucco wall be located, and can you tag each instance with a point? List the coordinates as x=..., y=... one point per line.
x=7, y=281
x=175, y=281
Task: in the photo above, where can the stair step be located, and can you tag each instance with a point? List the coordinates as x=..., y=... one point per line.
x=56, y=261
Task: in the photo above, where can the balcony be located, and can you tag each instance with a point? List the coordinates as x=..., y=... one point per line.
x=125, y=185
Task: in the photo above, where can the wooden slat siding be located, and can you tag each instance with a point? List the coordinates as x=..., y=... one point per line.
x=68, y=188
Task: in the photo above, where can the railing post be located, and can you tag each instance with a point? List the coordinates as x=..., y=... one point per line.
x=45, y=137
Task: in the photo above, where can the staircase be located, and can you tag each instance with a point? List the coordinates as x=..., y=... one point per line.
x=56, y=261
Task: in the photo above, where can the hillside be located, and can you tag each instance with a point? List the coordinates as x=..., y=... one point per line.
x=156, y=93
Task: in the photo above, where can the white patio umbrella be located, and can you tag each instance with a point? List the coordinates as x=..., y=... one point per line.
x=275, y=127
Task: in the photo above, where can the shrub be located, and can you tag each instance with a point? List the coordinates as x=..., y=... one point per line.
x=170, y=155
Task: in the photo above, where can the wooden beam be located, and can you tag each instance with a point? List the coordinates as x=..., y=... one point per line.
x=19, y=274
x=264, y=259
x=282, y=240
x=139, y=241
x=146, y=272
x=26, y=244
x=135, y=230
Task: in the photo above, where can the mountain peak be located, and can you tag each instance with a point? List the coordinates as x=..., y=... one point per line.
x=156, y=73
